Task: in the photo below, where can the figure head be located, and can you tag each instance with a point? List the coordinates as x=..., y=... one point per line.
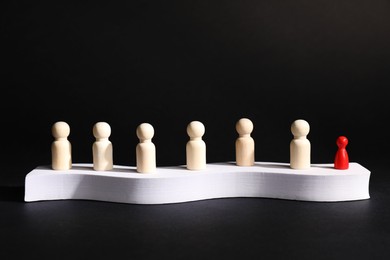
x=145, y=131
x=195, y=129
x=60, y=129
x=101, y=130
x=342, y=141
x=244, y=126
x=300, y=128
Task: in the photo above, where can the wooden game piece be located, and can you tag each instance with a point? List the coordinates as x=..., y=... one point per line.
x=341, y=161
x=300, y=145
x=245, y=145
x=145, y=150
x=196, y=147
x=102, y=147
x=61, y=150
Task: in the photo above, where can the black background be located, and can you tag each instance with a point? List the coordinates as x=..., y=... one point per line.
x=168, y=63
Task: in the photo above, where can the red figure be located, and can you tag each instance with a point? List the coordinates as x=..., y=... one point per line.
x=341, y=160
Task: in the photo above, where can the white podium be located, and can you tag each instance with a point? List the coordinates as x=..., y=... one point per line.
x=320, y=183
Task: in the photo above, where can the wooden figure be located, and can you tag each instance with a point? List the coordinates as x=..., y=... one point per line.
x=300, y=145
x=102, y=147
x=245, y=145
x=196, y=147
x=61, y=150
x=145, y=150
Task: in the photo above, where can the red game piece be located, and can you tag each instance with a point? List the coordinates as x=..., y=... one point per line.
x=341, y=160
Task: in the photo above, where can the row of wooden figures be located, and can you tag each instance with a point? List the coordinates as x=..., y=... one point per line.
x=195, y=148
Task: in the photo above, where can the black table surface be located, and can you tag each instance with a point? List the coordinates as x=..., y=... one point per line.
x=216, y=228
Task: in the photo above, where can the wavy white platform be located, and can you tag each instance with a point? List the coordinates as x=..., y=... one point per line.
x=123, y=184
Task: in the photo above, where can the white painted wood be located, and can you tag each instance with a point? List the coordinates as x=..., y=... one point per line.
x=321, y=183
x=245, y=145
x=102, y=147
x=195, y=147
x=300, y=145
x=61, y=149
x=145, y=150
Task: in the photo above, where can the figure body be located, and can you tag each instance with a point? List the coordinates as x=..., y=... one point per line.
x=245, y=145
x=61, y=150
x=341, y=161
x=300, y=145
x=102, y=147
x=196, y=147
x=145, y=150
